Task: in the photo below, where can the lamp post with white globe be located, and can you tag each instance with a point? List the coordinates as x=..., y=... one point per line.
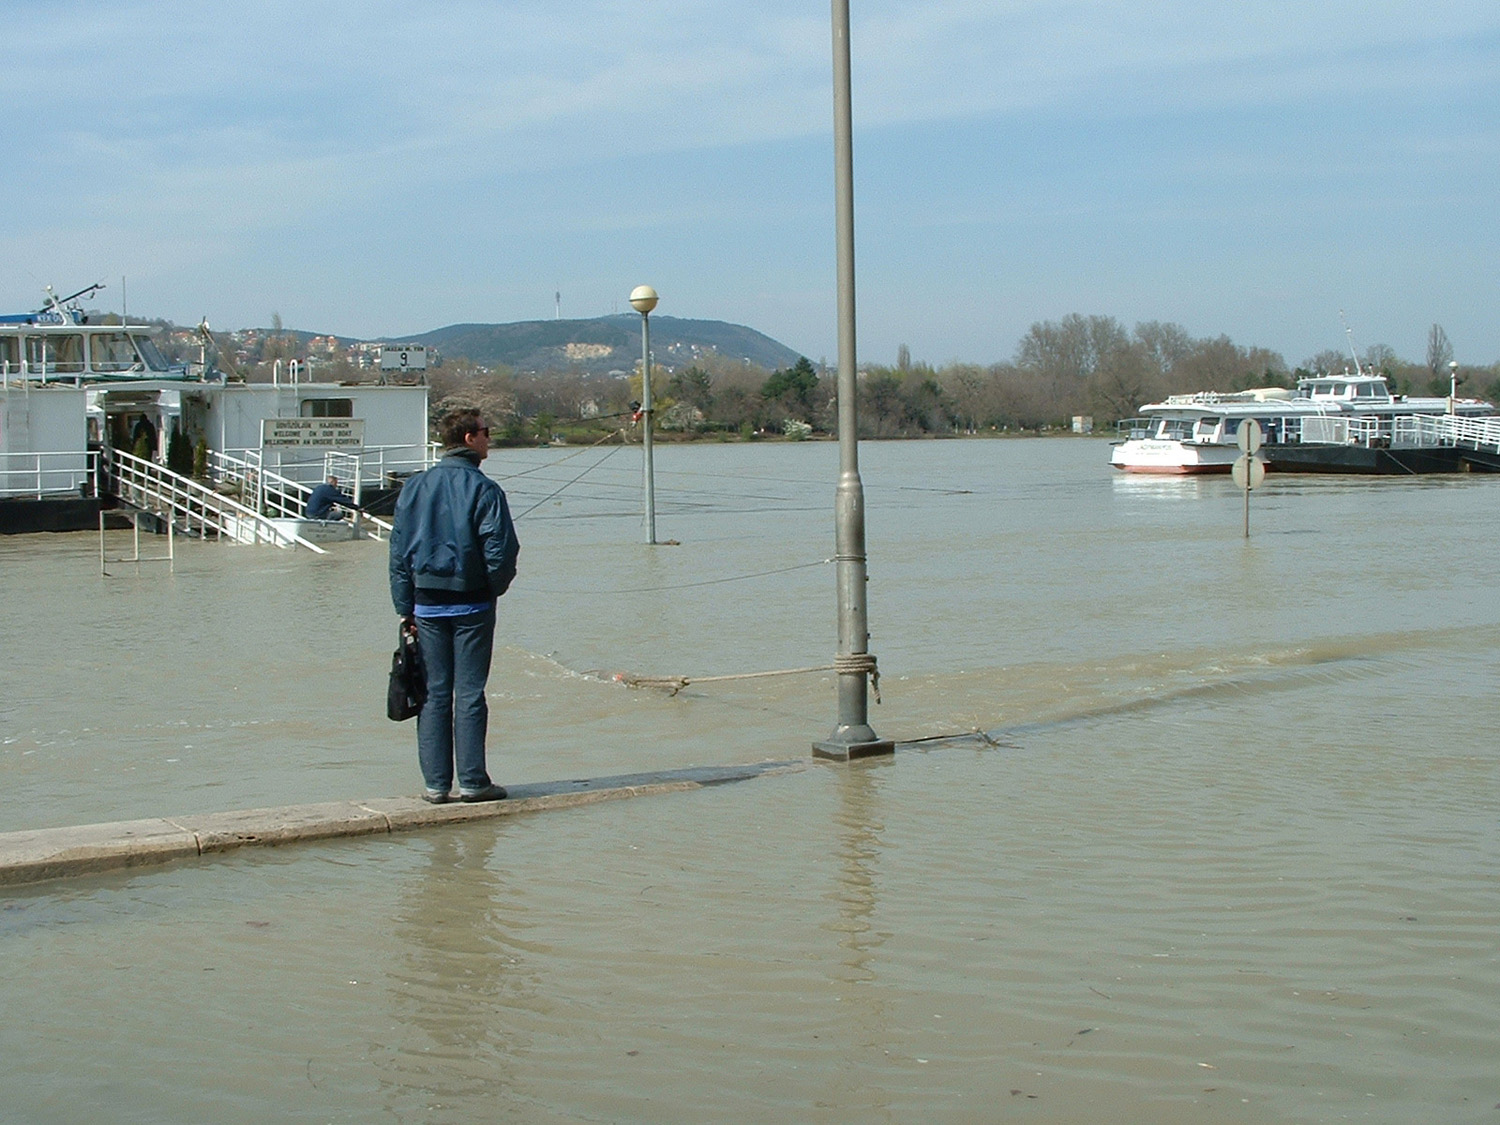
x=643, y=299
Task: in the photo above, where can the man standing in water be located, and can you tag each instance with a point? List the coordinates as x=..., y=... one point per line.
x=453, y=552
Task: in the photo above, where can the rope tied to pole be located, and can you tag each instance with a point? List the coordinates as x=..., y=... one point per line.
x=859, y=663
x=855, y=663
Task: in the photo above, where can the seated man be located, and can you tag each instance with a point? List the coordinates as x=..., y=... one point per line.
x=325, y=501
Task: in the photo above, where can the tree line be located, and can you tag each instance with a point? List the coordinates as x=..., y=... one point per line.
x=1078, y=365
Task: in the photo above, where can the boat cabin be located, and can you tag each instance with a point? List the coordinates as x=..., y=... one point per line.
x=1351, y=389
x=69, y=388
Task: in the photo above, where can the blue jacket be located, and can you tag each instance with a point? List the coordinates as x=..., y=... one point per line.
x=323, y=499
x=453, y=535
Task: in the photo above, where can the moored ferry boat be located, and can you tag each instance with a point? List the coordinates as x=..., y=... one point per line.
x=1349, y=423
x=79, y=399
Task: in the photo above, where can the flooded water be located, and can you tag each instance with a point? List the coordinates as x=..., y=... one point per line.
x=1231, y=851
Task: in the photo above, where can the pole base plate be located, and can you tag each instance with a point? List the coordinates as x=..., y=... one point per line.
x=835, y=751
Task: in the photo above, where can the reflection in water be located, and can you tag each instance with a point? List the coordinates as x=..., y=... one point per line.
x=1162, y=486
x=864, y=1012
x=458, y=973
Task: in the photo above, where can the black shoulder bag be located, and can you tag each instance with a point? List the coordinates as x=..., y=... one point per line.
x=408, y=687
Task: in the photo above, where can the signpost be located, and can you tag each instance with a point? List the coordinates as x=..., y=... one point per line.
x=403, y=357
x=1248, y=470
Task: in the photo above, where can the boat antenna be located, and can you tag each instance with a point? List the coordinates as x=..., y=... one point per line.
x=221, y=354
x=1349, y=335
x=53, y=301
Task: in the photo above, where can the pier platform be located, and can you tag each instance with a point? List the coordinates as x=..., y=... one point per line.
x=55, y=853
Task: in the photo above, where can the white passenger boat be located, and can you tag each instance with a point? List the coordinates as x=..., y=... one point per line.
x=1349, y=423
x=78, y=397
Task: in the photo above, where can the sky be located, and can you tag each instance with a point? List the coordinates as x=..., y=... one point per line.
x=383, y=169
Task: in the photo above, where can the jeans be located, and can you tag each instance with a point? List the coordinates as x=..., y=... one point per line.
x=452, y=724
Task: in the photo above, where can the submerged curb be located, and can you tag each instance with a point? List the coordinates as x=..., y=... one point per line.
x=57, y=853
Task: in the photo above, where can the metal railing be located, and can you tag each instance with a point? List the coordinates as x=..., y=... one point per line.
x=40, y=475
x=279, y=497
x=1447, y=430
x=192, y=505
x=377, y=465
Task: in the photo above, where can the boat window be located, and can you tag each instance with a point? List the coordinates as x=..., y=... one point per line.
x=10, y=355
x=63, y=354
x=328, y=408
x=1176, y=429
x=1207, y=426
x=111, y=351
x=151, y=354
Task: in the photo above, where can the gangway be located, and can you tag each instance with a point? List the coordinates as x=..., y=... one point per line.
x=1479, y=438
x=192, y=505
x=283, y=499
x=1482, y=434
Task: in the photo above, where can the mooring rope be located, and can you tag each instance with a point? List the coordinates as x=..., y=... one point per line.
x=620, y=433
x=719, y=581
x=858, y=662
x=581, y=475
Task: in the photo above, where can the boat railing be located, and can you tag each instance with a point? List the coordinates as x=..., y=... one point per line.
x=1368, y=430
x=1210, y=398
x=47, y=474
x=1446, y=430
x=262, y=490
x=192, y=505
x=280, y=497
x=379, y=466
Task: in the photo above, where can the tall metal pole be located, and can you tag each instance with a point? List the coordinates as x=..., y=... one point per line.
x=643, y=299
x=852, y=737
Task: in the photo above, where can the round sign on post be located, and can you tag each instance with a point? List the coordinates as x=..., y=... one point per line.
x=1249, y=437
x=1248, y=472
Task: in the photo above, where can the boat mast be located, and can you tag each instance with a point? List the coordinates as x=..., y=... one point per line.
x=1349, y=334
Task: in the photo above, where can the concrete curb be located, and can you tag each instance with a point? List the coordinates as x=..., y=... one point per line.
x=57, y=853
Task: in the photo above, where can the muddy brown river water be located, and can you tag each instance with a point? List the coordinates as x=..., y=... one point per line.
x=1229, y=852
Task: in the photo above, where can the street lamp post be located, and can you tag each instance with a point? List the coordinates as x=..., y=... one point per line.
x=643, y=299
x=854, y=664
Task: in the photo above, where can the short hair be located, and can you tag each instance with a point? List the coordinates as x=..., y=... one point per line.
x=459, y=424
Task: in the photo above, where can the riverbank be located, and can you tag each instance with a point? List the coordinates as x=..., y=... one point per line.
x=574, y=436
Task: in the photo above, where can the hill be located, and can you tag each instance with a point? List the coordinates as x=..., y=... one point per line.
x=603, y=344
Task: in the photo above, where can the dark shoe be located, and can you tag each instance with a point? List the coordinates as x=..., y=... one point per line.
x=488, y=793
x=435, y=797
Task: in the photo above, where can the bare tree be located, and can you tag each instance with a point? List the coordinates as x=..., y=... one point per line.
x=1439, y=351
x=1381, y=359
x=1122, y=382
x=1165, y=345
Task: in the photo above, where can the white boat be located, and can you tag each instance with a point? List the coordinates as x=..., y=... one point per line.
x=77, y=397
x=1349, y=423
